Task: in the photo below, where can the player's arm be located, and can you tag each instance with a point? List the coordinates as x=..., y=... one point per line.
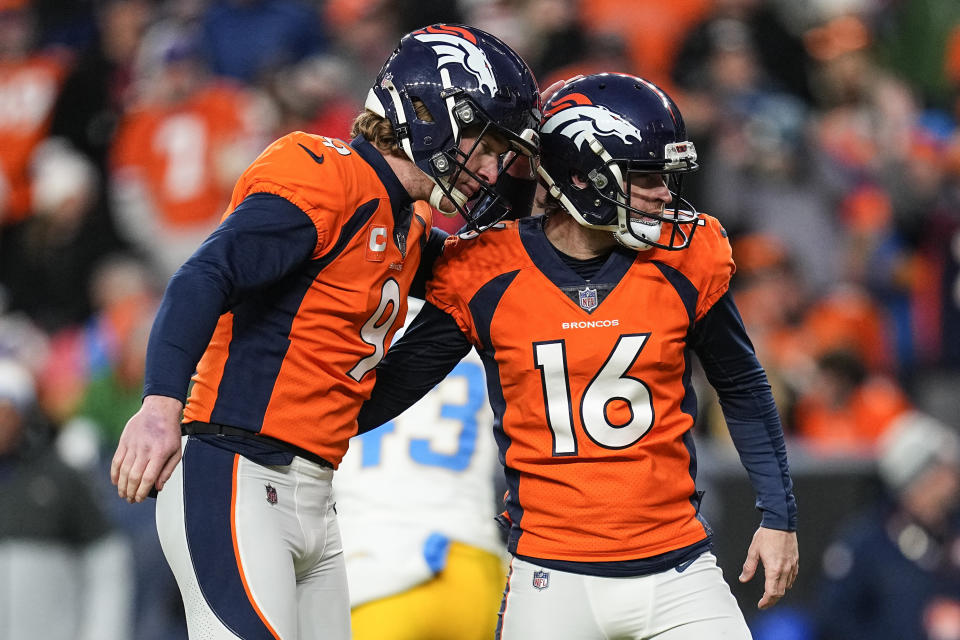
x=730, y=362
x=429, y=349
x=265, y=238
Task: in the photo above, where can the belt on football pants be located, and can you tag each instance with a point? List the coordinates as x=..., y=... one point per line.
x=212, y=428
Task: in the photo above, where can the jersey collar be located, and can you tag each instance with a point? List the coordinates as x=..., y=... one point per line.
x=400, y=200
x=545, y=257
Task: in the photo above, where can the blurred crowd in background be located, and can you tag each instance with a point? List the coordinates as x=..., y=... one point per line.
x=830, y=150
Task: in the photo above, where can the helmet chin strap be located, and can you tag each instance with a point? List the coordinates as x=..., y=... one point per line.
x=632, y=232
x=644, y=231
x=437, y=194
x=554, y=190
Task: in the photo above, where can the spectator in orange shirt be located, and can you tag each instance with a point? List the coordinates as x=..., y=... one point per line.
x=847, y=318
x=30, y=81
x=845, y=409
x=654, y=47
x=176, y=156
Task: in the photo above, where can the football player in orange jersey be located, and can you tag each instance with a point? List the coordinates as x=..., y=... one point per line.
x=281, y=317
x=176, y=153
x=586, y=319
x=31, y=78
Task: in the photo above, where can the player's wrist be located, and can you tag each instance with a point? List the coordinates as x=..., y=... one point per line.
x=163, y=406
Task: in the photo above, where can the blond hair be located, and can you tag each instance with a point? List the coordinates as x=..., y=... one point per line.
x=378, y=130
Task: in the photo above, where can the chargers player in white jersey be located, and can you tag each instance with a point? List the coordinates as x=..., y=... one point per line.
x=416, y=505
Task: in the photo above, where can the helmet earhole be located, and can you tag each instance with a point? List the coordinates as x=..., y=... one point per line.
x=421, y=110
x=578, y=181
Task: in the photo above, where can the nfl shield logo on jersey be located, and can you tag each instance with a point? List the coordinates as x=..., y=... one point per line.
x=271, y=494
x=588, y=299
x=541, y=580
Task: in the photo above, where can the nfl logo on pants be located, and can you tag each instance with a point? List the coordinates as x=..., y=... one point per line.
x=541, y=580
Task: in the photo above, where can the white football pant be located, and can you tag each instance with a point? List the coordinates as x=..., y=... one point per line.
x=255, y=549
x=687, y=603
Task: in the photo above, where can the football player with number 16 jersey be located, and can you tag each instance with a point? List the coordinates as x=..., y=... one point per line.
x=586, y=319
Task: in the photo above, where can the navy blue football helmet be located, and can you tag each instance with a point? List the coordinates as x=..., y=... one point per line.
x=600, y=130
x=469, y=81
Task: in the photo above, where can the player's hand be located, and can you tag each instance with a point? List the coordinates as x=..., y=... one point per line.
x=778, y=552
x=149, y=448
x=556, y=86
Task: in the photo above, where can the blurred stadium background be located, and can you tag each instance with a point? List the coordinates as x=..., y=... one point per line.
x=827, y=131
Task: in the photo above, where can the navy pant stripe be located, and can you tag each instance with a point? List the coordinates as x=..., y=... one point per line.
x=208, y=494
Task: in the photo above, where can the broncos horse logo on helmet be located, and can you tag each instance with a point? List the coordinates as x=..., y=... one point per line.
x=599, y=130
x=579, y=119
x=468, y=81
x=455, y=45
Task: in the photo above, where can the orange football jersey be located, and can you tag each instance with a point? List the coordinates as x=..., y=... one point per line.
x=28, y=95
x=326, y=326
x=179, y=151
x=590, y=383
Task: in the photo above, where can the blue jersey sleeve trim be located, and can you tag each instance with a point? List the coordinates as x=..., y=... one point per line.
x=684, y=288
x=720, y=341
x=484, y=304
x=263, y=239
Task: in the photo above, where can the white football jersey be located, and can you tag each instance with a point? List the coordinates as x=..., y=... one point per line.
x=409, y=487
